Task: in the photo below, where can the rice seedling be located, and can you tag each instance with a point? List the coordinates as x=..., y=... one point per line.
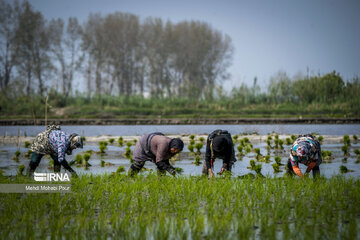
x=346, y=140
x=87, y=156
x=320, y=138
x=278, y=160
x=235, y=138
x=120, y=141
x=293, y=137
x=258, y=154
x=27, y=144
x=27, y=154
x=191, y=148
x=345, y=150
x=247, y=149
x=102, y=147
x=128, y=144
x=111, y=140
x=252, y=164
x=326, y=155
x=120, y=169
x=344, y=160
x=355, y=138
x=269, y=137
x=135, y=141
x=242, y=142
x=192, y=142
x=288, y=141
x=16, y=155
x=175, y=158
x=85, y=160
x=202, y=140
x=179, y=170
x=128, y=153
x=276, y=167
x=257, y=169
x=21, y=169
x=198, y=147
x=83, y=138
x=276, y=136
x=150, y=207
x=78, y=159
x=197, y=161
x=276, y=142
x=240, y=150
x=343, y=169
x=102, y=163
x=192, y=136
x=281, y=142
x=246, y=140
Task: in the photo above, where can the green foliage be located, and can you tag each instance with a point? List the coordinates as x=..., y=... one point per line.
x=83, y=138
x=345, y=150
x=120, y=169
x=197, y=161
x=27, y=144
x=102, y=163
x=252, y=164
x=202, y=140
x=120, y=141
x=21, y=169
x=276, y=167
x=191, y=148
x=110, y=205
x=192, y=142
x=198, y=146
x=293, y=137
x=288, y=141
x=346, y=140
x=192, y=136
x=240, y=149
x=111, y=140
x=343, y=169
x=78, y=159
x=86, y=157
x=355, y=137
x=179, y=170
x=356, y=151
x=278, y=160
x=320, y=138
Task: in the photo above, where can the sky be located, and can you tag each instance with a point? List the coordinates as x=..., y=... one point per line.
x=268, y=36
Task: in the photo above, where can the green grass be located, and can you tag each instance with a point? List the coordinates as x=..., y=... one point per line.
x=151, y=207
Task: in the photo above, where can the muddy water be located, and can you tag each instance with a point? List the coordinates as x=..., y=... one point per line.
x=137, y=130
x=114, y=155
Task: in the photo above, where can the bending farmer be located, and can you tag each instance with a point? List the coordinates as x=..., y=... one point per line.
x=306, y=150
x=56, y=143
x=219, y=145
x=157, y=148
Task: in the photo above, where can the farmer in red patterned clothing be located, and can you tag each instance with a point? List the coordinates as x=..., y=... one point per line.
x=56, y=143
x=305, y=150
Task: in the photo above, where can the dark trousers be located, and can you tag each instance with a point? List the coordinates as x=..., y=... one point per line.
x=35, y=159
x=315, y=170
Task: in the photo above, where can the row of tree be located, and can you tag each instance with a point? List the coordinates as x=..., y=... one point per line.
x=323, y=89
x=113, y=54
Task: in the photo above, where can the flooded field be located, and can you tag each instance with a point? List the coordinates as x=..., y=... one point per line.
x=114, y=156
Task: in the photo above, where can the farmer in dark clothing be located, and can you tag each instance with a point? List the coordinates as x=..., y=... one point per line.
x=56, y=143
x=157, y=148
x=306, y=150
x=219, y=145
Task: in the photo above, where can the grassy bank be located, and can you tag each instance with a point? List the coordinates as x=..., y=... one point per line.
x=132, y=107
x=155, y=207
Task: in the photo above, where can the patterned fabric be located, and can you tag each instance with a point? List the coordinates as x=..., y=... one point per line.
x=41, y=144
x=60, y=142
x=305, y=150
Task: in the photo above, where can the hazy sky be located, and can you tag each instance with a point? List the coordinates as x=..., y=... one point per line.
x=268, y=35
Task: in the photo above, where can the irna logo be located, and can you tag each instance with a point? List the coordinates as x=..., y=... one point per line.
x=51, y=177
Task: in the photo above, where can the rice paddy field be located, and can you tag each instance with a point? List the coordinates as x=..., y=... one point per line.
x=257, y=201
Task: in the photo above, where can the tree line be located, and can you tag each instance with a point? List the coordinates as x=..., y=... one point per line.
x=114, y=54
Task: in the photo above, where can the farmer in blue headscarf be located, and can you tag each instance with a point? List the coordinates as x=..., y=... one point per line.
x=306, y=150
x=56, y=143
